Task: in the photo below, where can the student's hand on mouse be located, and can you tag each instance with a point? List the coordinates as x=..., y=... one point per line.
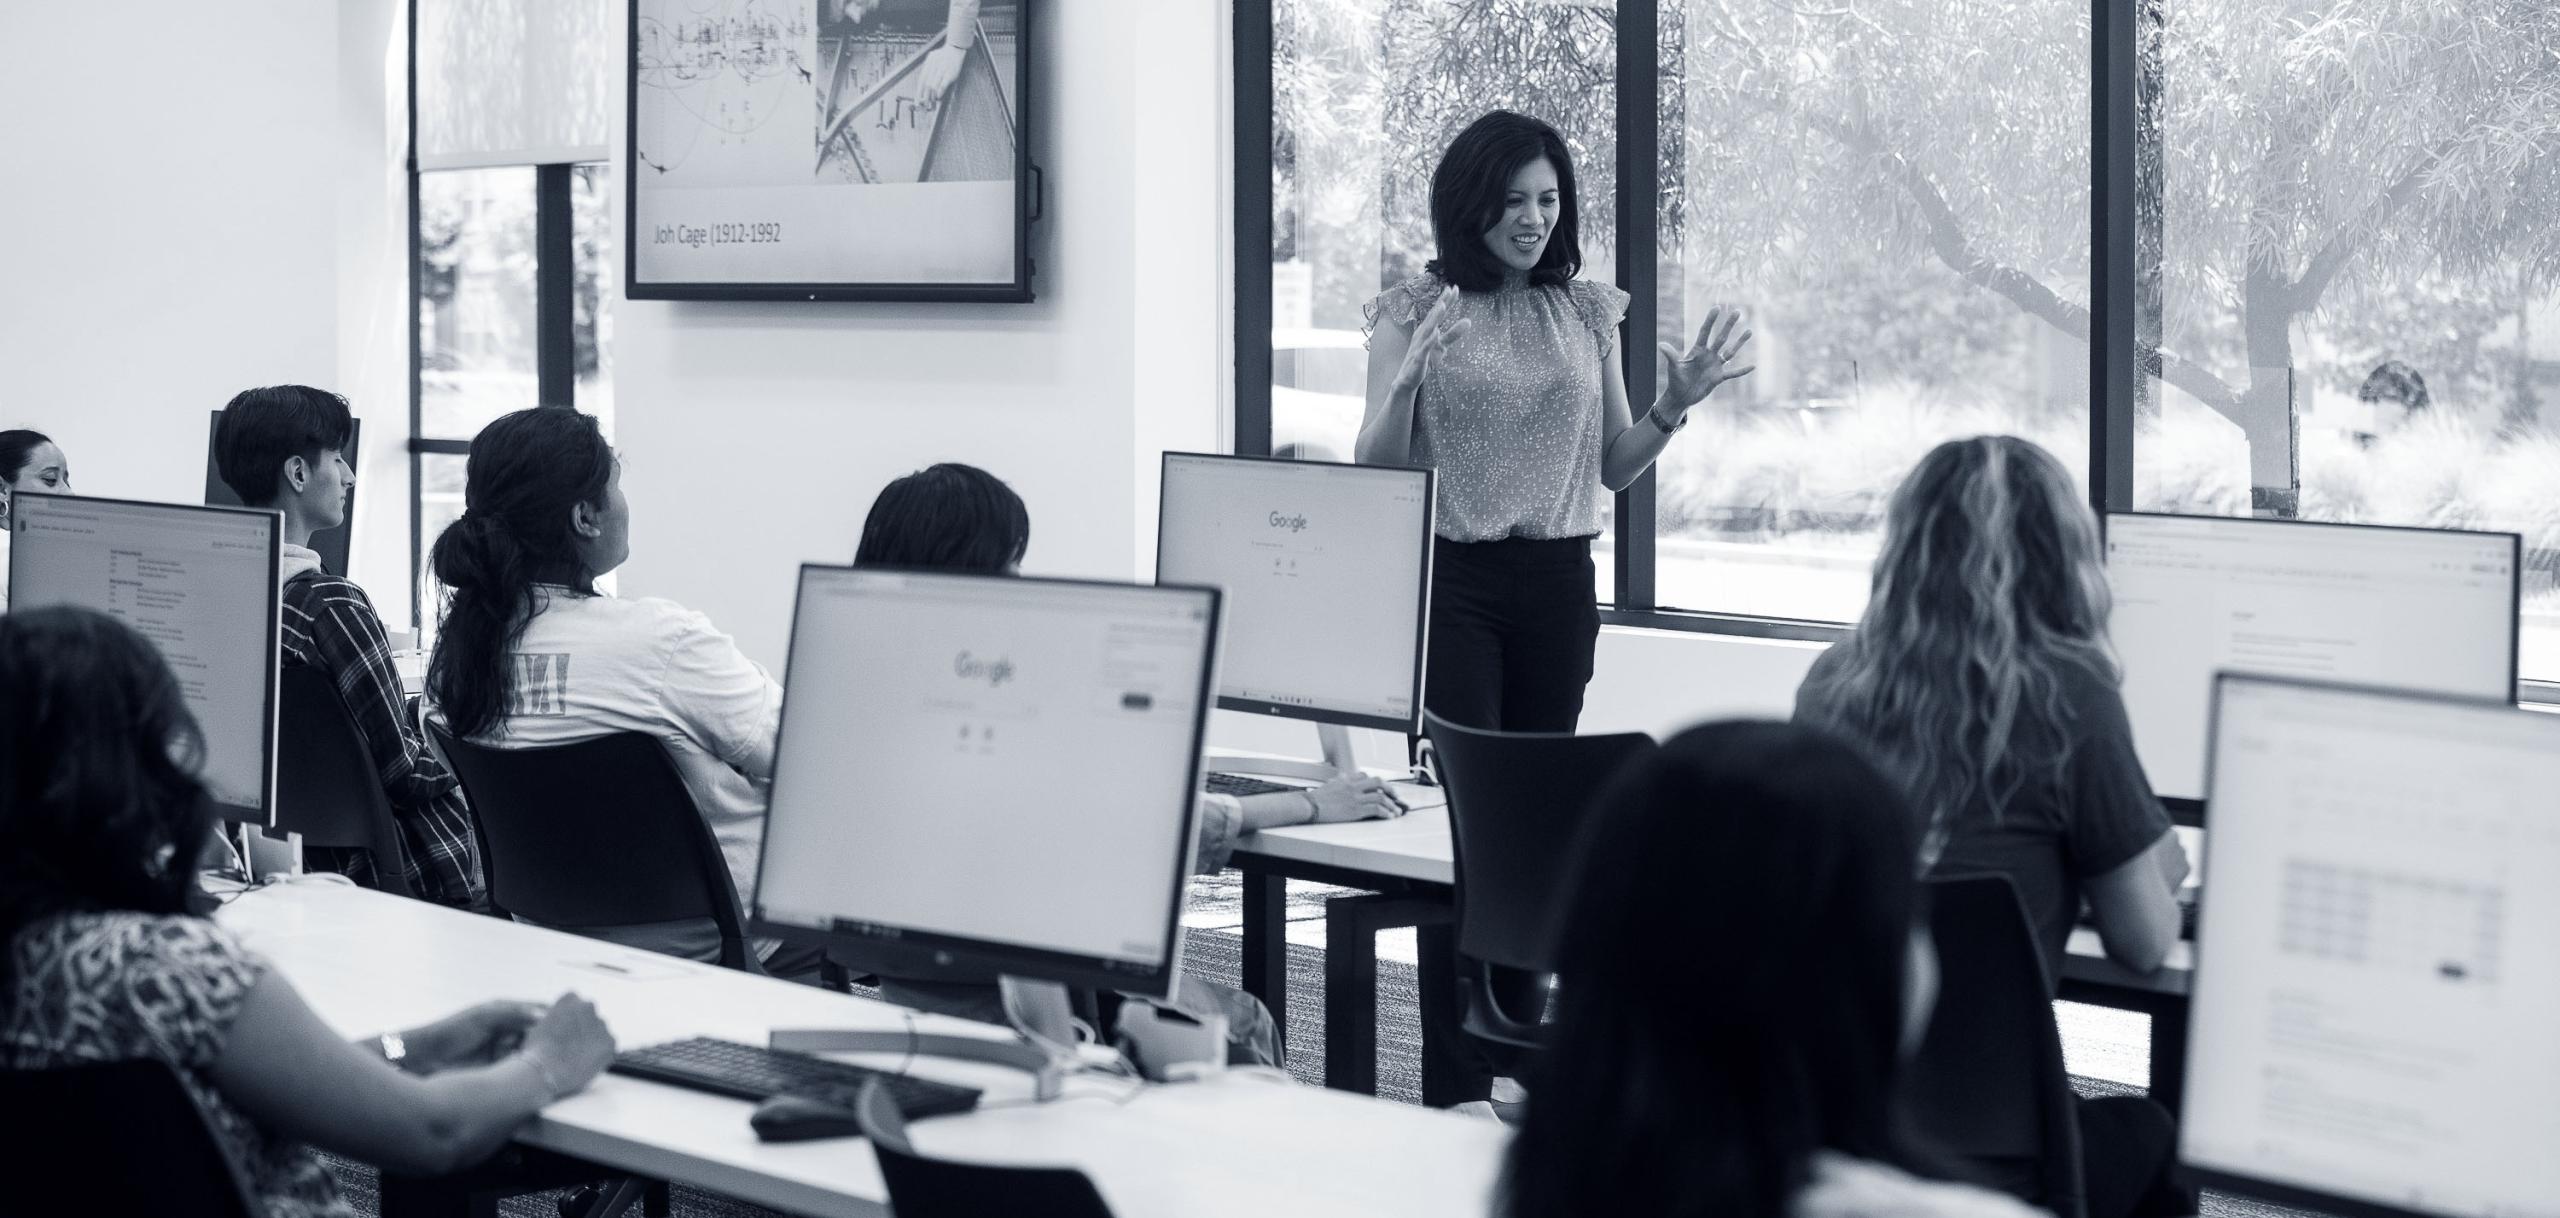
x=569, y=1044
x=1353, y=797
x=1438, y=329
x=472, y=1037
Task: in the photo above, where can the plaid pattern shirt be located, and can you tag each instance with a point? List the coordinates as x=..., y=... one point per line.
x=330, y=624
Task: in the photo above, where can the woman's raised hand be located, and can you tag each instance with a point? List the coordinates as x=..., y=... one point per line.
x=1708, y=363
x=1431, y=338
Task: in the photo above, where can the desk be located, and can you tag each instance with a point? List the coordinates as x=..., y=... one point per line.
x=1238, y=1145
x=1409, y=858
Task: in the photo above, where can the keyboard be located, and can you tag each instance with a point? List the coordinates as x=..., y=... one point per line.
x=1238, y=785
x=724, y=1067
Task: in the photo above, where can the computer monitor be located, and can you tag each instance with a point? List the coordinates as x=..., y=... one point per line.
x=2432, y=610
x=330, y=543
x=201, y=583
x=1001, y=772
x=2370, y=1030
x=1327, y=570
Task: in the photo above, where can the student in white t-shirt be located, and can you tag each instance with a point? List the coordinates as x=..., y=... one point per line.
x=528, y=653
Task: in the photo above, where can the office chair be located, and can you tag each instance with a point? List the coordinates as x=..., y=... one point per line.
x=597, y=833
x=1988, y=1082
x=1516, y=802
x=114, y=1138
x=326, y=787
x=920, y=1187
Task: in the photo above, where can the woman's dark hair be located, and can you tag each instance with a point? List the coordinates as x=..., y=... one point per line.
x=949, y=517
x=100, y=808
x=1730, y=981
x=526, y=471
x=1466, y=201
x=262, y=428
x=17, y=447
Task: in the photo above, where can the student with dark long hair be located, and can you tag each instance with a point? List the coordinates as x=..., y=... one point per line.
x=529, y=652
x=1981, y=677
x=102, y=819
x=283, y=447
x=29, y=461
x=1499, y=367
x=953, y=517
x=1734, y=1049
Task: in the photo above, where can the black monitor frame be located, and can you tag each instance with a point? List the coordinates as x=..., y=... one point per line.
x=2191, y=811
x=2241, y=1184
x=264, y=815
x=915, y=952
x=1409, y=725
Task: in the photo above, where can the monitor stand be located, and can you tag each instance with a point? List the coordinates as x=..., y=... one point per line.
x=1333, y=738
x=1043, y=1044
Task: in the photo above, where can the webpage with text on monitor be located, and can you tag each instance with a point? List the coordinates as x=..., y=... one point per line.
x=1323, y=566
x=1001, y=760
x=2376, y=998
x=199, y=583
x=2409, y=609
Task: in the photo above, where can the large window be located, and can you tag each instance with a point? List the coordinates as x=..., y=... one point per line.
x=2308, y=210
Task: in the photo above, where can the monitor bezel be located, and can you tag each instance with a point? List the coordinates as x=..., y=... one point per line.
x=1410, y=724
x=2190, y=811
x=264, y=815
x=934, y=951
x=2241, y=1183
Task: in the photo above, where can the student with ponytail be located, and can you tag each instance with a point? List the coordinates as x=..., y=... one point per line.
x=529, y=653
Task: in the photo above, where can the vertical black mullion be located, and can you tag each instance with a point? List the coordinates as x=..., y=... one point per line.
x=2114, y=369
x=1638, y=204
x=417, y=467
x=1254, y=118
x=555, y=278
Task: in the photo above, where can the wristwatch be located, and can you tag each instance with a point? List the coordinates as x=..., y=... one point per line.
x=395, y=1049
x=1654, y=416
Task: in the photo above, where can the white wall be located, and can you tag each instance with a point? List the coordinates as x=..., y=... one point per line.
x=173, y=233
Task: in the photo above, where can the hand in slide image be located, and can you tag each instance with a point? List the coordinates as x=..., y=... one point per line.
x=943, y=66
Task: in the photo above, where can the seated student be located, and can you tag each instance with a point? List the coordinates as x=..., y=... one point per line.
x=284, y=447
x=29, y=461
x=101, y=821
x=1982, y=678
x=956, y=517
x=529, y=653
x=1734, y=1048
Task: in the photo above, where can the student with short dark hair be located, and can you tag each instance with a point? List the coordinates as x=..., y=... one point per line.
x=284, y=447
x=530, y=653
x=29, y=461
x=953, y=517
x=102, y=819
x=1735, y=1049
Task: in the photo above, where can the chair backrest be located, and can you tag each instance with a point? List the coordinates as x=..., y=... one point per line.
x=1988, y=1082
x=939, y=1188
x=113, y=1138
x=597, y=833
x=1516, y=802
x=326, y=787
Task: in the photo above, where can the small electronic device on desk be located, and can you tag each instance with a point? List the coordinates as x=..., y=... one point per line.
x=798, y=1090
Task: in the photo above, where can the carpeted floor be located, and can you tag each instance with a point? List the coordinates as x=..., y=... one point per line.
x=2107, y=1050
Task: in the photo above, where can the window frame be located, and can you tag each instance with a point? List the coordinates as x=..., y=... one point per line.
x=2119, y=123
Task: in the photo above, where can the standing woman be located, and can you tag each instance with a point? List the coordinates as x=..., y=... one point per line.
x=1499, y=369
x=29, y=461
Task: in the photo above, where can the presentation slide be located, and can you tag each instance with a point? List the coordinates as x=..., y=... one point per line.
x=198, y=583
x=1323, y=568
x=2375, y=1008
x=1007, y=761
x=2409, y=609
x=824, y=142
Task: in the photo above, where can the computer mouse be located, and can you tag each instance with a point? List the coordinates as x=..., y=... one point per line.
x=792, y=1118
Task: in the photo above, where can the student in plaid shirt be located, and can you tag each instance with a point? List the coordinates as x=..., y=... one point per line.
x=284, y=448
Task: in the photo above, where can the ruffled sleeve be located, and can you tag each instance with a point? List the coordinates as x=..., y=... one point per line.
x=1602, y=309
x=1403, y=304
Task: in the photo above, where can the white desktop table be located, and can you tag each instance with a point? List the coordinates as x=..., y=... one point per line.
x=1410, y=858
x=1242, y=1144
